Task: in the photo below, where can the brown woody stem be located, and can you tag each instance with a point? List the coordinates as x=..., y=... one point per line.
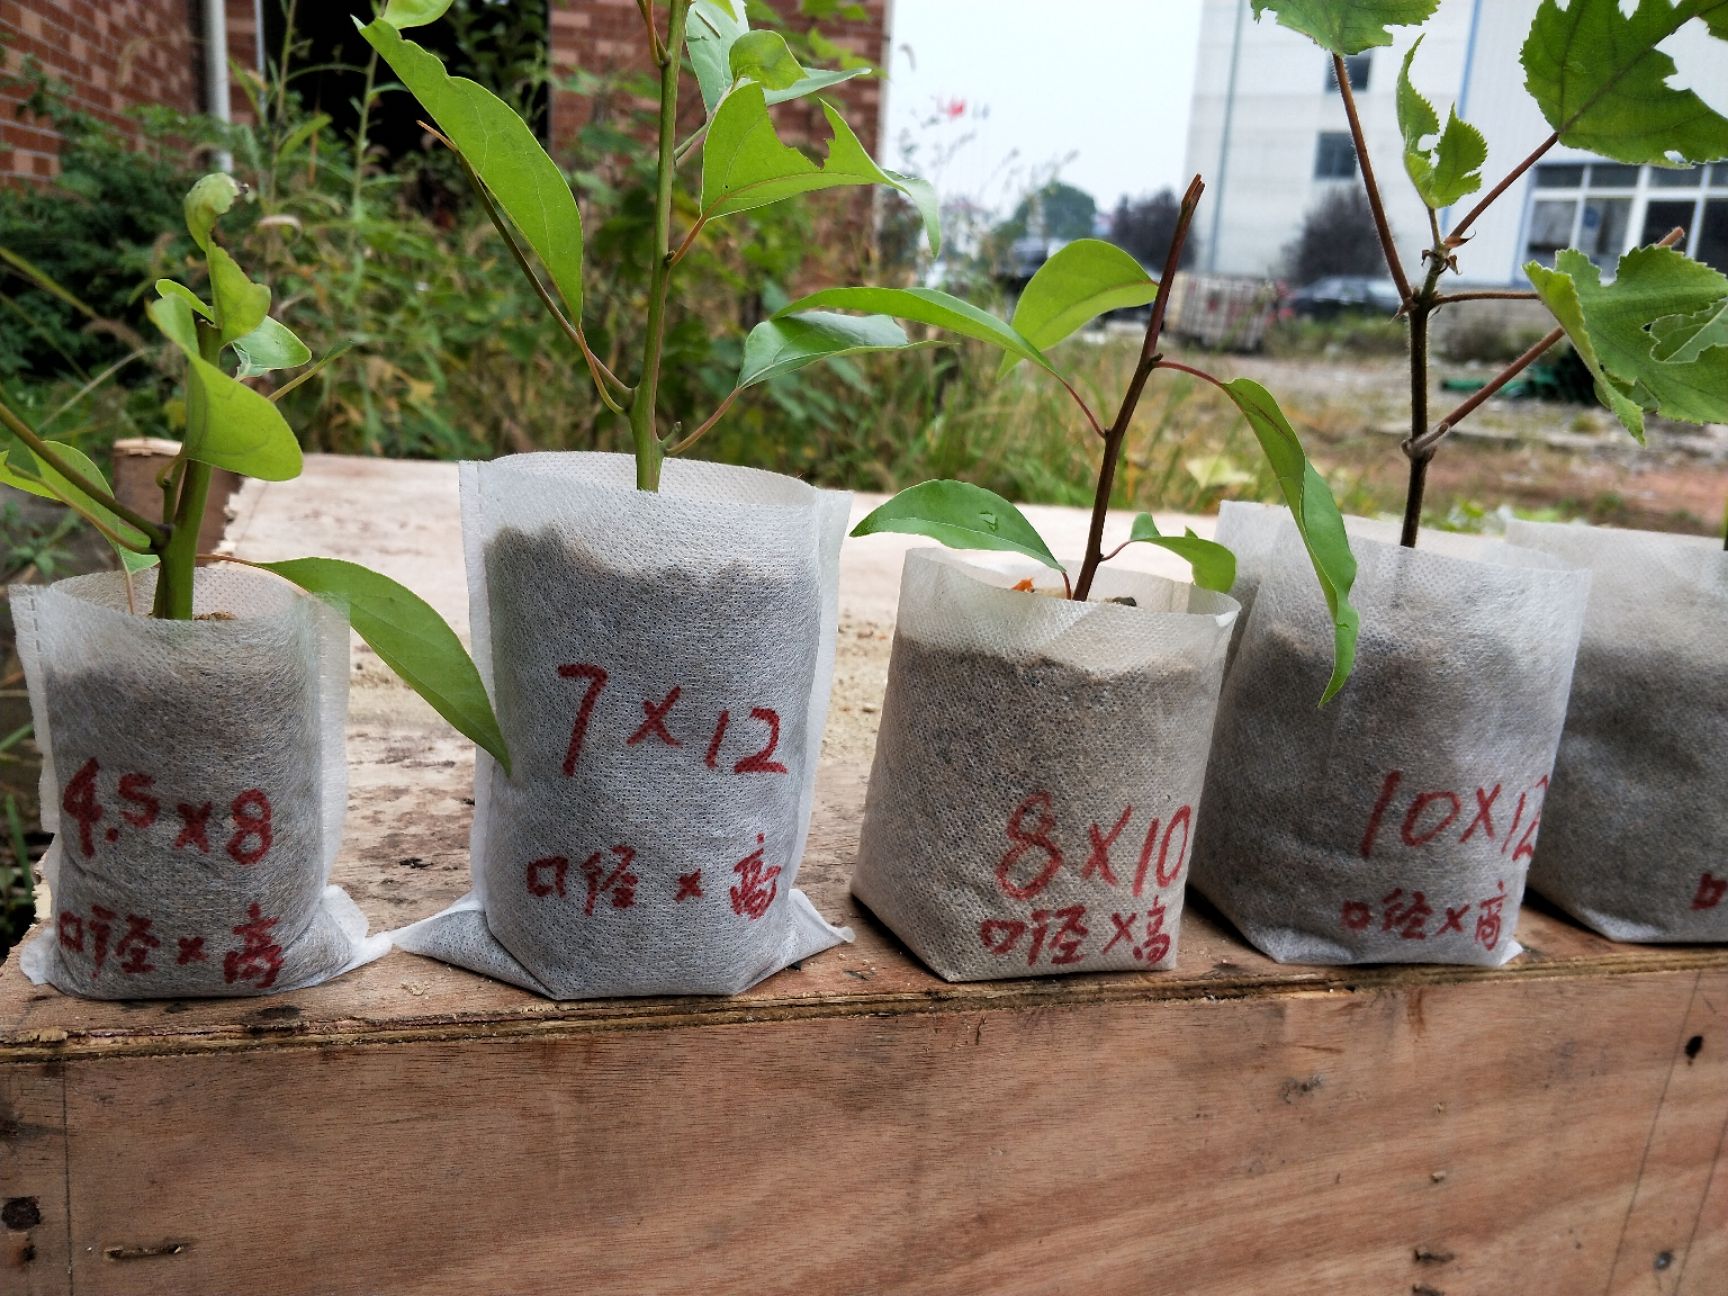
x=1118, y=430
x=1342, y=76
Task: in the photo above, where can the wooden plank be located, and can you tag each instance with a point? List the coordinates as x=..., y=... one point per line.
x=1321, y=1142
x=1669, y=1193
x=35, y=1233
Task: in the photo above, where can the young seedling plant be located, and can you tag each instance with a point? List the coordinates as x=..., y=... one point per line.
x=231, y=425
x=741, y=74
x=1079, y=282
x=1655, y=339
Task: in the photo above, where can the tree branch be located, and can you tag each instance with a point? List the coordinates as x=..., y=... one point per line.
x=1486, y=294
x=1511, y=176
x=46, y=453
x=1342, y=76
x=681, y=446
x=1118, y=430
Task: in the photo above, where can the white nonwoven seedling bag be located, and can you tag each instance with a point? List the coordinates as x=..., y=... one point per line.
x=1636, y=839
x=193, y=779
x=660, y=663
x=1039, y=768
x=1396, y=824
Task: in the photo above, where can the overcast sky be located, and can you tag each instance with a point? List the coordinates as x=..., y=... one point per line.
x=1100, y=87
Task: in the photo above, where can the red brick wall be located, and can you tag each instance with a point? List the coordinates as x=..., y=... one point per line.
x=118, y=53
x=606, y=35
x=112, y=54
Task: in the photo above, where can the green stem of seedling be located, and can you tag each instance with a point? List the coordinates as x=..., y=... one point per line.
x=179, y=558
x=1118, y=430
x=649, y=452
x=45, y=452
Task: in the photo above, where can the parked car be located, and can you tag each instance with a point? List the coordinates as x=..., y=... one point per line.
x=1344, y=295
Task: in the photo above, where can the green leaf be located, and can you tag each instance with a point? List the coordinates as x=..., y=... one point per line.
x=526, y=183
x=764, y=56
x=961, y=516
x=47, y=483
x=1652, y=285
x=1081, y=282
x=712, y=29
x=1347, y=26
x=413, y=13
x=173, y=318
x=241, y=305
x=1211, y=472
x=1602, y=83
x=1214, y=565
x=745, y=166
x=410, y=638
x=1560, y=295
x=1681, y=339
x=272, y=345
x=779, y=346
x=925, y=306
x=231, y=426
x=1450, y=169
x=169, y=288
x=205, y=202
x=815, y=81
x=1317, y=519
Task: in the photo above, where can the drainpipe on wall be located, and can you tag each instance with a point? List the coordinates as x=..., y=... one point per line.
x=216, y=70
x=1224, y=144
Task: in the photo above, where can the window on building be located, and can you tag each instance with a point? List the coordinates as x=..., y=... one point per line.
x=1667, y=178
x=1711, y=243
x=1355, y=67
x=1334, y=156
x=1550, y=228
x=1664, y=214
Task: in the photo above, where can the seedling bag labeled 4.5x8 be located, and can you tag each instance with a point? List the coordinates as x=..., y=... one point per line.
x=1039, y=767
x=1636, y=843
x=1395, y=824
x=660, y=663
x=193, y=778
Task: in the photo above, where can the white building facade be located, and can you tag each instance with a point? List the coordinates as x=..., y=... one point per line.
x=1268, y=133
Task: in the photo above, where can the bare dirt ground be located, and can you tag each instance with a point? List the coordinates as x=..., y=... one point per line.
x=1527, y=454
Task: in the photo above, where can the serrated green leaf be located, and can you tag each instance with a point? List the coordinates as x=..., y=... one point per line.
x=1681, y=339
x=173, y=318
x=709, y=34
x=410, y=638
x=413, y=13
x=241, y=305
x=961, y=516
x=925, y=306
x=1347, y=26
x=766, y=58
x=231, y=426
x=1452, y=167
x=1317, y=519
x=272, y=345
x=526, y=183
x=745, y=166
x=1603, y=85
x=48, y=483
x=1651, y=284
x=1560, y=295
x=780, y=346
x=205, y=202
x=1214, y=565
x=1080, y=282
